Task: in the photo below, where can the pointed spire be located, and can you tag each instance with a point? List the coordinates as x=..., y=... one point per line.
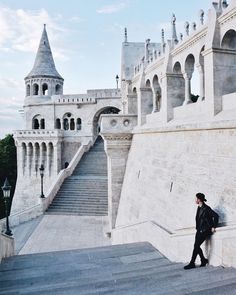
x=126, y=36
x=44, y=64
x=174, y=34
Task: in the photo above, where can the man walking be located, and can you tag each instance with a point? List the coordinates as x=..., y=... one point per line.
x=206, y=222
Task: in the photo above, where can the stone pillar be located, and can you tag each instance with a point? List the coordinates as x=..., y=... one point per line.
x=155, y=107
x=145, y=99
x=202, y=83
x=168, y=92
x=187, y=79
x=57, y=157
x=117, y=149
x=40, y=88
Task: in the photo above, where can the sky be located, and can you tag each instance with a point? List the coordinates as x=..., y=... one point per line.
x=85, y=38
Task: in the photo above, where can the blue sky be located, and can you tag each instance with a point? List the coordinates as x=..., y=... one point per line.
x=85, y=38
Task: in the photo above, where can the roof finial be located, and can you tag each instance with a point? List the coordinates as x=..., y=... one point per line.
x=163, y=40
x=201, y=15
x=126, y=36
x=174, y=35
x=187, y=28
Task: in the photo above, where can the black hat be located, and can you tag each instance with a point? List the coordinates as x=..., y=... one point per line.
x=201, y=197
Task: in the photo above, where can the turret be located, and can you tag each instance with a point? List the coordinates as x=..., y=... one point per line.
x=44, y=80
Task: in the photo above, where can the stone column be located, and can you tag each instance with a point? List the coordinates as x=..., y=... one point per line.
x=144, y=104
x=187, y=79
x=117, y=149
x=40, y=88
x=57, y=165
x=202, y=83
x=155, y=107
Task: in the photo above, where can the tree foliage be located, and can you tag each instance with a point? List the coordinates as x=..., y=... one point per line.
x=8, y=167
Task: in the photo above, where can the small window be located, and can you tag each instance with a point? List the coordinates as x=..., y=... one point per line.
x=45, y=89
x=72, y=124
x=42, y=124
x=58, y=124
x=35, y=89
x=65, y=124
x=78, y=124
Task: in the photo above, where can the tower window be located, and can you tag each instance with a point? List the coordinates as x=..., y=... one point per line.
x=72, y=124
x=58, y=124
x=35, y=89
x=58, y=89
x=45, y=89
x=28, y=90
x=42, y=124
x=35, y=124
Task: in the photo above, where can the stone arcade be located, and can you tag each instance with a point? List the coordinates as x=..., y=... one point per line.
x=162, y=147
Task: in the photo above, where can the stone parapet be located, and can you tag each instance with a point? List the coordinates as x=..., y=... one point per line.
x=46, y=134
x=7, y=247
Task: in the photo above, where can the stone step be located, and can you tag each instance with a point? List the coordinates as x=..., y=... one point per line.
x=121, y=269
x=85, y=192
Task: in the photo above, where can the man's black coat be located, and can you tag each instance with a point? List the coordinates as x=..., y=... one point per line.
x=206, y=219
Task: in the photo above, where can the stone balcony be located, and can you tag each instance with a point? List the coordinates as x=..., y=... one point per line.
x=37, y=133
x=117, y=124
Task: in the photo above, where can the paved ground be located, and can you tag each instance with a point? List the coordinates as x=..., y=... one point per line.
x=59, y=232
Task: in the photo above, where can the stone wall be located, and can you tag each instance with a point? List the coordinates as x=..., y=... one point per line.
x=6, y=246
x=165, y=169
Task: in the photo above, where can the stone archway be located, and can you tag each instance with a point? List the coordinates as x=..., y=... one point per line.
x=96, y=119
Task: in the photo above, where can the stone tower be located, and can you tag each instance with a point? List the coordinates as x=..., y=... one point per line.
x=44, y=79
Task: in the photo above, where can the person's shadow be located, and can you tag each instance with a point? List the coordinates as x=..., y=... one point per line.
x=221, y=211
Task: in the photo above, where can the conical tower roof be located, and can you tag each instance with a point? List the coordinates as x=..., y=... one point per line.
x=44, y=65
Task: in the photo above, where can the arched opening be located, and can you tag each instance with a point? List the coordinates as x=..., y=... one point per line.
x=134, y=90
x=229, y=40
x=72, y=124
x=58, y=89
x=35, y=89
x=132, y=107
x=27, y=90
x=30, y=156
x=50, y=157
x=37, y=154
x=44, y=156
x=66, y=165
x=58, y=123
x=227, y=79
x=24, y=151
x=78, y=124
x=96, y=120
x=45, y=89
x=148, y=84
x=66, y=121
x=65, y=124
x=42, y=124
x=35, y=123
x=191, y=80
x=156, y=94
x=178, y=86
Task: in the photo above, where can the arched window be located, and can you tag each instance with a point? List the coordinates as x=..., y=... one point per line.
x=229, y=40
x=78, y=124
x=35, y=123
x=35, y=89
x=148, y=83
x=28, y=90
x=45, y=89
x=58, y=124
x=157, y=94
x=65, y=124
x=72, y=124
x=58, y=89
x=42, y=124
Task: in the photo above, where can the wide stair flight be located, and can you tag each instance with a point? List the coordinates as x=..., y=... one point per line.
x=132, y=269
x=85, y=191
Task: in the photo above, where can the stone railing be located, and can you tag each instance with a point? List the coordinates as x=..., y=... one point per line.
x=64, y=174
x=74, y=99
x=36, y=133
x=117, y=124
x=104, y=93
x=7, y=246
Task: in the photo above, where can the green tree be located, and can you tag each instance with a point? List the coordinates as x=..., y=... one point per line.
x=8, y=167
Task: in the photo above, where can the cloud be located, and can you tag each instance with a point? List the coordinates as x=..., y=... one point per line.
x=108, y=9
x=76, y=19
x=11, y=83
x=21, y=30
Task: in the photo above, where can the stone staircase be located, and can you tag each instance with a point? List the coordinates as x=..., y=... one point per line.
x=85, y=191
x=132, y=269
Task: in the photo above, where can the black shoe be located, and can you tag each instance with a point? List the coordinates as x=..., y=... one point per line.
x=204, y=262
x=190, y=265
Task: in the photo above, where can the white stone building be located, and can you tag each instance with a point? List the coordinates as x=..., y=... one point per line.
x=56, y=126
x=162, y=148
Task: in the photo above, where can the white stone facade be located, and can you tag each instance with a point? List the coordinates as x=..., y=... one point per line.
x=179, y=147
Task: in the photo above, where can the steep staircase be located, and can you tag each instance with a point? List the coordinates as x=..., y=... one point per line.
x=132, y=269
x=85, y=191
